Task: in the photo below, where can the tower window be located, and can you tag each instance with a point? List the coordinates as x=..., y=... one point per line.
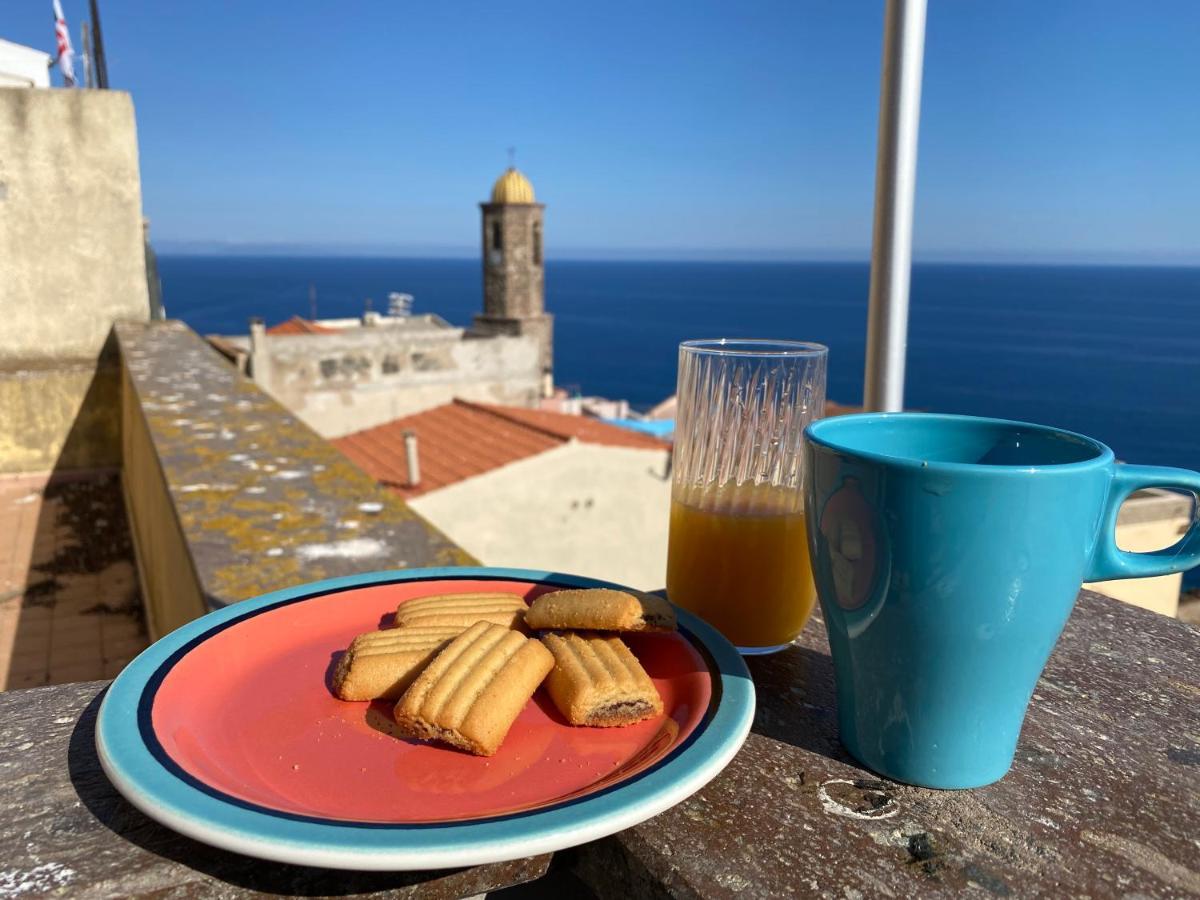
x=537, y=244
x=497, y=237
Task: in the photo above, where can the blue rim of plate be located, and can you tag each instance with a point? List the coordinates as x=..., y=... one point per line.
x=143, y=772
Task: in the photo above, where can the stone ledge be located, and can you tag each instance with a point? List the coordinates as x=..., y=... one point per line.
x=67, y=832
x=258, y=500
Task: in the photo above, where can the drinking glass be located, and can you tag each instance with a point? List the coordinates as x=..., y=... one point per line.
x=738, y=554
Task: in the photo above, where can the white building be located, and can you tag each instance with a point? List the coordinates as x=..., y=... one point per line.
x=22, y=66
x=530, y=488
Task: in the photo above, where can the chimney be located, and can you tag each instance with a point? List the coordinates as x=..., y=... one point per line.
x=260, y=363
x=410, y=457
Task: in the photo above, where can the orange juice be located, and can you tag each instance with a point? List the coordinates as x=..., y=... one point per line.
x=741, y=564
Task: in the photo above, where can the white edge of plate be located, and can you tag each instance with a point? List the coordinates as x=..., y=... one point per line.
x=427, y=858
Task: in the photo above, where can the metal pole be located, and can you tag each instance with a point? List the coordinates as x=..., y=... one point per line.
x=86, y=51
x=99, y=60
x=895, y=181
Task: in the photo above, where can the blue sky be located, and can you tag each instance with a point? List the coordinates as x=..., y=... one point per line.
x=1064, y=130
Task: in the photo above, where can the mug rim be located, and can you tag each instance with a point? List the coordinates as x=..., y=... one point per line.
x=813, y=432
x=781, y=347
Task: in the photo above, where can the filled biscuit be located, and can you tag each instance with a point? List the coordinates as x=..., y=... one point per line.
x=600, y=609
x=380, y=665
x=597, y=681
x=462, y=610
x=473, y=690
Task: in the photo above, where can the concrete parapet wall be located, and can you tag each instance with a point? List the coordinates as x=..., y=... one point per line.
x=231, y=496
x=70, y=222
x=72, y=262
x=63, y=415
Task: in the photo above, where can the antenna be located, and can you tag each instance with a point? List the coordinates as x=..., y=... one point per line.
x=512, y=157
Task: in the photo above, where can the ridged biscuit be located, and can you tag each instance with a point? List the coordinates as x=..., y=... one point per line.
x=380, y=665
x=598, y=681
x=462, y=610
x=600, y=609
x=473, y=691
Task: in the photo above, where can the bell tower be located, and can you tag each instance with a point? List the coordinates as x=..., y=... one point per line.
x=514, y=300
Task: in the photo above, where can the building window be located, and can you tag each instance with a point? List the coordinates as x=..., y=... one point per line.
x=391, y=365
x=497, y=237
x=537, y=244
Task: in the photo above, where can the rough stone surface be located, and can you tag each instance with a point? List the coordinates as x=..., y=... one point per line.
x=67, y=832
x=260, y=501
x=1102, y=801
x=514, y=299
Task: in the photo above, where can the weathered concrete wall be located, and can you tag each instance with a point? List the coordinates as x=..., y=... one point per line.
x=171, y=591
x=580, y=508
x=70, y=222
x=59, y=416
x=229, y=496
x=72, y=262
x=363, y=377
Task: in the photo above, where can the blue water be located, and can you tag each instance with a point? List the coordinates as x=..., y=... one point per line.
x=1111, y=352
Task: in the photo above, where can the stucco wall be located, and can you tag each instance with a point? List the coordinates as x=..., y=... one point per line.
x=59, y=416
x=579, y=508
x=70, y=222
x=72, y=262
x=364, y=377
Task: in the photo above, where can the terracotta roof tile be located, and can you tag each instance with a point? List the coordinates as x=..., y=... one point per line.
x=298, y=325
x=461, y=439
x=582, y=428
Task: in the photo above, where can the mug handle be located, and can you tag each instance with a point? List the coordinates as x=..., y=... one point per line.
x=1109, y=561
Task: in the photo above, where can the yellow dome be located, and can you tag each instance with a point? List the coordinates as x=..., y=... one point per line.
x=512, y=187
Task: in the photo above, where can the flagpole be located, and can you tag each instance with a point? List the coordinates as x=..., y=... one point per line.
x=86, y=52
x=98, y=46
x=895, y=185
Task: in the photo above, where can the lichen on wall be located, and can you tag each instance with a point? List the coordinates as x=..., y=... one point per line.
x=253, y=489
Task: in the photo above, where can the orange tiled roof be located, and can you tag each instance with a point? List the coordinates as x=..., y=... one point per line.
x=459, y=440
x=298, y=325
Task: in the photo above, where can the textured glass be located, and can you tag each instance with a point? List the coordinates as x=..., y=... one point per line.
x=737, y=554
x=742, y=409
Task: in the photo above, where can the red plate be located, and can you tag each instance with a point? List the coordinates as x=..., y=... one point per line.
x=248, y=713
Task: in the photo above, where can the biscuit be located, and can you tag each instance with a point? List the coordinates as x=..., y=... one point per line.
x=600, y=609
x=598, y=681
x=380, y=665
x=462, y=610
x=473, y=691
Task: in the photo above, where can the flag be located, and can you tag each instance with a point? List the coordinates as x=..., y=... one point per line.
x=66, y=56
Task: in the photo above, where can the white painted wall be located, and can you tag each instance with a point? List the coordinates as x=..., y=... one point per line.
x=579, y=508
x=22, y=66
x=366, y=388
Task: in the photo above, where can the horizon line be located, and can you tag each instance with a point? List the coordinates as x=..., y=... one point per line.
x=174, y=248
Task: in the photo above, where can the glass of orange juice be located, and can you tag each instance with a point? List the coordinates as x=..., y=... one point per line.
x=738, y=552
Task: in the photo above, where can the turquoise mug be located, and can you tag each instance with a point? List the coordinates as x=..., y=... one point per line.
x=947, y=553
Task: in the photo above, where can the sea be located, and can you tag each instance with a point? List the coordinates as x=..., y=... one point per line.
x=1112, y=352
